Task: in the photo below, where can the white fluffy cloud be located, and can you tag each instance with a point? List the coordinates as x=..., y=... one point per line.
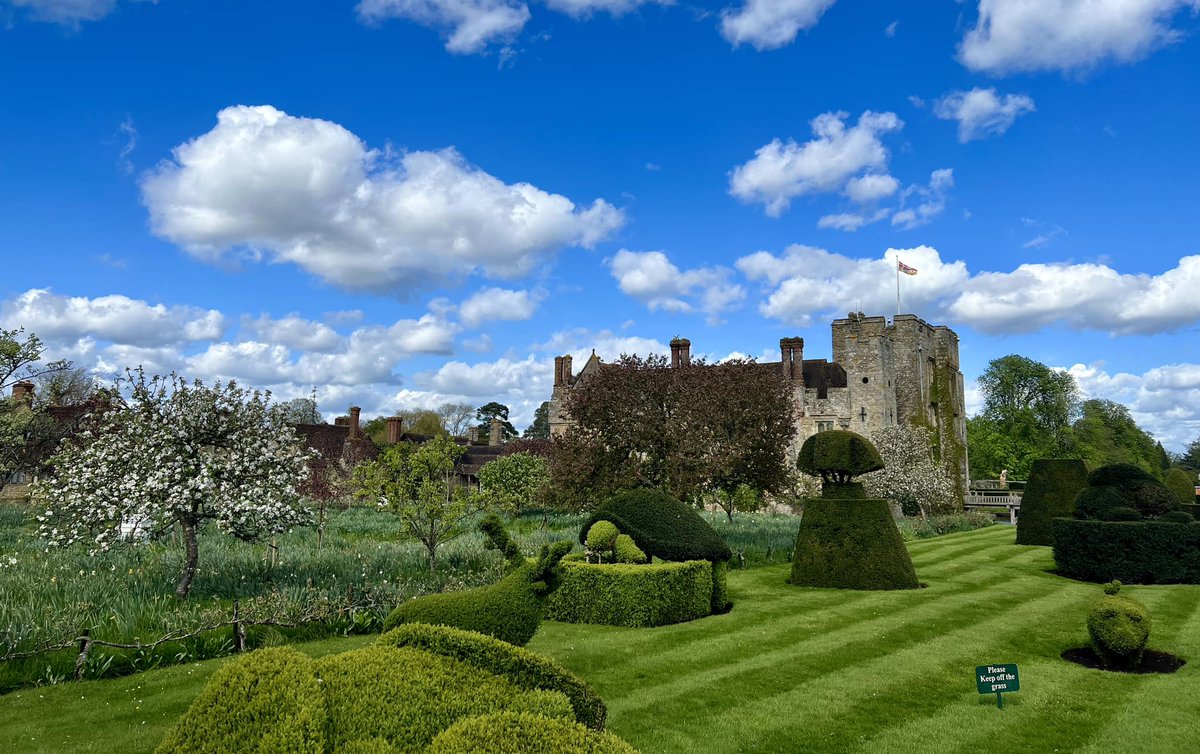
x=806, y=282
x=920, y=204
x=64, y=12
x=469, y=26
x=871, y=187
x=309, y=192
x=1033, y=35
x=586, y=8
x=652, y=278
x=490, y=304
x=769, y=24
x=982, y=112
x=780, y=171
x=1164, y=400
x=113, y=318
x=292, y=331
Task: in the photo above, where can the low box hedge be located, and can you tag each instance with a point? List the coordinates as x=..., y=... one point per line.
x=1134, y=552
x=636, y=596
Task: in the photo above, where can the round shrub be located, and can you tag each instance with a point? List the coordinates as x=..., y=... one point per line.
x=1123, y=485
x=1176, y=517
x=662, y=526
x=407, y=696
x=838, y=456
x=602, y=536
x=518, y=666
x=276, y=684
x=1121, y=513
x=1119, y=628
x=523, y=733
x=627, y=550
x=1050, y=493
x=1182, y=485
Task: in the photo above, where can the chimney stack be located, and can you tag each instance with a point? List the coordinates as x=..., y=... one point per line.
x=22, y=392
x=791, y=350
x=495, y=432
x=394, y=426
x=473, y=435
x=681, y=352
x=558, y=370
x=354, y=412
x=566, y=361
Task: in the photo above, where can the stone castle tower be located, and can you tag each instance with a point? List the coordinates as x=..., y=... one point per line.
x=881, y=374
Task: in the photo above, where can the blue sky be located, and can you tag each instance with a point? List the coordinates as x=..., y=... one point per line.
x=405, y=202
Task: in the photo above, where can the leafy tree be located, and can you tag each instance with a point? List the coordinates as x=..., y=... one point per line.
x=744, y=499
x=540, y=428
x=25, y=430
x=64, y=387
x=177, y=454
x=420, y=485
x=419, y=422
x=493, y=410
x=514, y=481
x=301, y=410
x=456, y=417
x=1106, y=434
x=686, y=431
x=912, y=475
x=1189, y=459
x=1026, y=415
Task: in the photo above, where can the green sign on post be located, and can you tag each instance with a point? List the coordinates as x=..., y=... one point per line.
x=997, y=679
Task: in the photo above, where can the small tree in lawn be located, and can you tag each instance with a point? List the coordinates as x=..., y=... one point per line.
x=177, y=453
x=420, y=486
x=913, y=477
x=514, y=481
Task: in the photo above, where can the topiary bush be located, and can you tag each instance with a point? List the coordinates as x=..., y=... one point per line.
x=1182, y=485
x=837, y=456
x=276, y=684
x=1136, y=552
x=1123, y=485
x=524, y=733
x=662, y=526
x=1176, y=517
x=510, y=609
x=1119, y=628
x=519, y=666
x=625, y=550
x=1193, y=509
x=1050, y=492
x=1121, y=513
x=636, y=596
x=602, y=536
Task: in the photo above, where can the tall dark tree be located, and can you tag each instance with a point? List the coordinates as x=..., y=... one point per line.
x=540, y=428
x=684, y=430
x=493, y=410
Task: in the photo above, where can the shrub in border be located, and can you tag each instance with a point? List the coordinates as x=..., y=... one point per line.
x=1135, y=552
x=524, y=733
x=1050, y=493
x=636, y=596
x=520, y=666
x=276, y=684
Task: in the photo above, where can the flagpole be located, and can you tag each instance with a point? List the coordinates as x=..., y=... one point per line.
x=897, y=286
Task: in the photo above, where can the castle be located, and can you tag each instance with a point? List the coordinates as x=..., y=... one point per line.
x=882, y=374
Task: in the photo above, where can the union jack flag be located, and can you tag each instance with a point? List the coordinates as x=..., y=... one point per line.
x=905, y=268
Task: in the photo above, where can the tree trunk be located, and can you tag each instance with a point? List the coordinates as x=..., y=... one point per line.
x=432, y=558
x=192, y=547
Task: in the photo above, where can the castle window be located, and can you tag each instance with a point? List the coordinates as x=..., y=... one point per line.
x=824, y=426
x=866, y=380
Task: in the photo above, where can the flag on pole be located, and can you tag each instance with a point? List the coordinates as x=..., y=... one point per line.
x=902, y=267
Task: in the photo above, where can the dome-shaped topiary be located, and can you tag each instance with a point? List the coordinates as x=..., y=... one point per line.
x=627, y=551
x=662, y=526
x=1119, y=628
x=837, y=456
x=602, y=536
x=1182, y=485
x=1176, y=517
x=524, y=733
x=1123, y=485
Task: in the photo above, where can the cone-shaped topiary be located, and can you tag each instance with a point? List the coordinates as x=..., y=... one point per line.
x=510, y=609
x=846, y=540
x=1050, y=493
x=1119, y=628
x=1180, y=482
x=1123, y=485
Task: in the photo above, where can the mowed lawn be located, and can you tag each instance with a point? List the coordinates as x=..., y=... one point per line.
x=794, y=669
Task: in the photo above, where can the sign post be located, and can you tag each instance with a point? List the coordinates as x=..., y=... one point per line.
x=997, y=679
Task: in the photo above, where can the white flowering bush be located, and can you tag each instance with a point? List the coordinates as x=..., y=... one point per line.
x=177, y=453
x=912, y=476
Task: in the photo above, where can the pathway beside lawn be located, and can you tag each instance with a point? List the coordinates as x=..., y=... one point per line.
x=792, y=670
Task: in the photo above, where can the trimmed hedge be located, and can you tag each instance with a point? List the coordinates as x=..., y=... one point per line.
x=720, y=592
x=1050, y=492
x=519, y=666
x=1135, y=552
x=523, y=733
x=1123, y=485
x=851, y=544
x=635, y=596
x=662, y=526
x=1180, y=483
x=407, y=696
x=1193, y=509
x=510, y=609
x=276, y=685
x=1119, y=628
x=838, y=455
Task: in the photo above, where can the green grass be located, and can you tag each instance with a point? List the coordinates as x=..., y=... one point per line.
x=792, y=669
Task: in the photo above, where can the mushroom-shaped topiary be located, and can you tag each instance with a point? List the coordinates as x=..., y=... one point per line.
x=1119, y=627
x=837, y=456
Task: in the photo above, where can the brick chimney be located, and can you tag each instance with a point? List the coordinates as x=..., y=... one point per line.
x=354, y=412
x=473, y=435
x=558, y=370
x=681, y=352
x=566, y=361
x=22, y=392
x=495, y=432
x=791, y=350
x=394, y=426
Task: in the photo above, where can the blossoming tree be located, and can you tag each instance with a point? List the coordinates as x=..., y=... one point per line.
x=176, y=453
x=913, y=478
